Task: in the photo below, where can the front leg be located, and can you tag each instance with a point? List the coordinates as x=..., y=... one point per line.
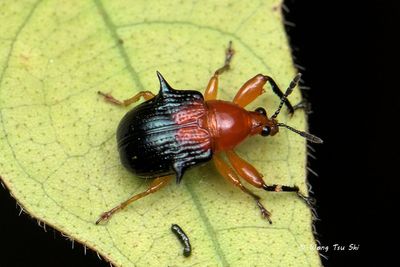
x=253, y=177
x=229, y=174
x=253, y=88
x=245, y=169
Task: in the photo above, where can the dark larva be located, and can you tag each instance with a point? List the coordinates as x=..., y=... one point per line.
x=183, y=238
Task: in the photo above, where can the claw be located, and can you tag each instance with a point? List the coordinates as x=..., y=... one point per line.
x=104, y=217
x=110, y=98
x=310, y=201
x=306, y=106
x=264, y=212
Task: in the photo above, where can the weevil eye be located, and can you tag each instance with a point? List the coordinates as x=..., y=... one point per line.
x=266, y=131
x=261, y=111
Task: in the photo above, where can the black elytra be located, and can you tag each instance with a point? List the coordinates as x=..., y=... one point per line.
x=151, y=137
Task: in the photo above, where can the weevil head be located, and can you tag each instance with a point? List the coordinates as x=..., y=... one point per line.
x=263, y=125
x=266, y=126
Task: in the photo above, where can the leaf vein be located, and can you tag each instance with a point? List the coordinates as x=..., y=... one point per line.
x=207, y=224
x=113, y=30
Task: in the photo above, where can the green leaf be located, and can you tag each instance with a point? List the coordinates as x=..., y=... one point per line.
x=57, y=136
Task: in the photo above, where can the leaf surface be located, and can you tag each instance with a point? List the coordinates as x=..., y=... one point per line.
x=57, y=136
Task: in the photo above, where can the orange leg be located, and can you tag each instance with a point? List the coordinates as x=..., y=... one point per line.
x=250, y=90
x=252, y=176
x=229, y=174
x=155, y=185
x=253, y=88
x=212, y=87
x=245, y=170
x=145, y=94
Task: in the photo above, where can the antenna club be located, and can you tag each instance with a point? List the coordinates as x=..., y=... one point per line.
x=308, y=136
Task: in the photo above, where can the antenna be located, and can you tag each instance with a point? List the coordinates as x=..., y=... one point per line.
x=289, y=90
x=308, y=136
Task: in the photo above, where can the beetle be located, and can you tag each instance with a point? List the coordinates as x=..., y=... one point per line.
x=178, y=129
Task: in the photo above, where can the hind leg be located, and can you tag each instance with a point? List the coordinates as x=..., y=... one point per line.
x=155, y=185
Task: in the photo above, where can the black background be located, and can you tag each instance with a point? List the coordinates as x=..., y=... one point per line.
x=338, y=47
